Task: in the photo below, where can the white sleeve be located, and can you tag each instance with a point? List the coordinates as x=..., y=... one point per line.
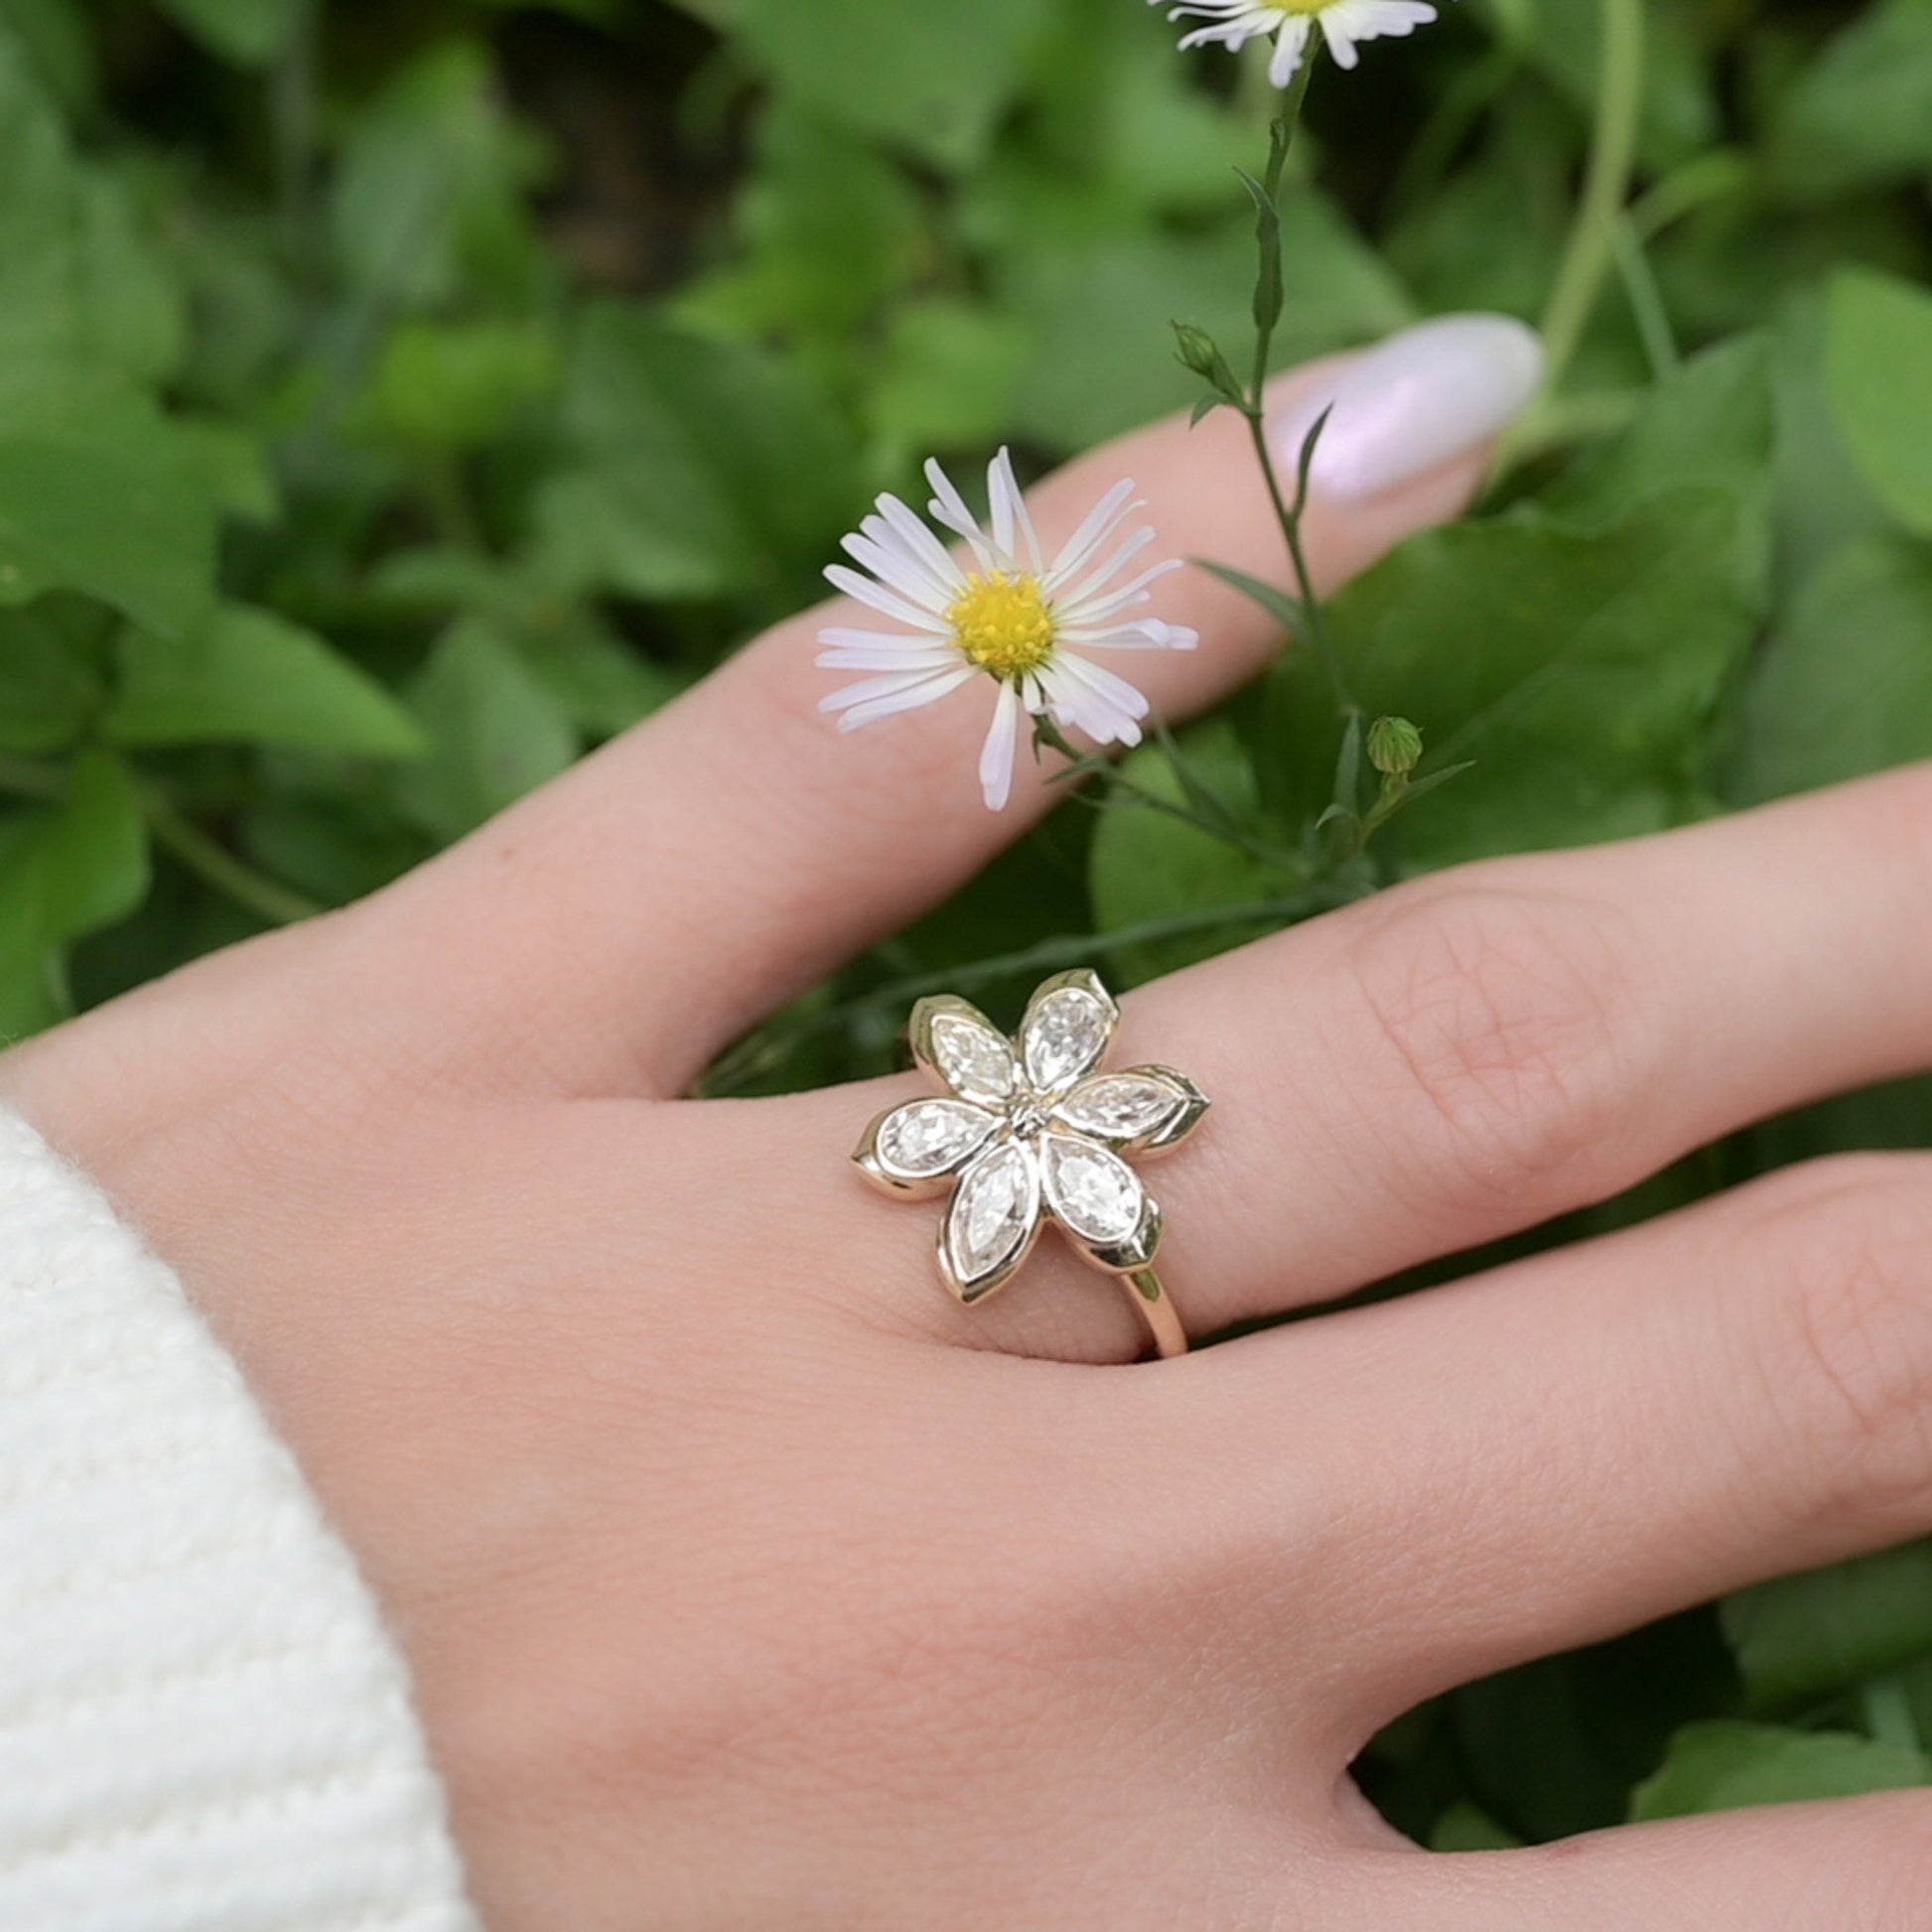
x=204, y=1724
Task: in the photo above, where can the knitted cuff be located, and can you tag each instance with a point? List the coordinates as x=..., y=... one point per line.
x=204, y=1725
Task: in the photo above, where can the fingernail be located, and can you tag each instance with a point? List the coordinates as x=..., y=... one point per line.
x=1411, y=403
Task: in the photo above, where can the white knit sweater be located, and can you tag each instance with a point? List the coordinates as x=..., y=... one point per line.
x=204, y=1725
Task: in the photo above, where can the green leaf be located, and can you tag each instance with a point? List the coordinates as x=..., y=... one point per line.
x=496, y=731
x=49, y=677
x=100, y=493
x=932, y=79
x=704, y=468
x=1146, y=865
x=1724, y=1765
x=1859, y=115
x=1844, y=687
x=250, y=677
x=1578, y=669
x=84, y=282
x=1878, y=368
x=1801, y=1638
x=430, y=202
x=65, y=873
x=1465, y=1828
x=1716, y=425
x=250, y=33
x=454, y=386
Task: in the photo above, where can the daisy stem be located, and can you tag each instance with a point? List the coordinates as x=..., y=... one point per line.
x=1268, y=306
x=1591, y=252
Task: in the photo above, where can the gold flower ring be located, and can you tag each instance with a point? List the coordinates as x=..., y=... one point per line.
x=1032, y=1130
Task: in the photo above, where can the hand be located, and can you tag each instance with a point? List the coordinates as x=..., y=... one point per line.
x=749, y=1581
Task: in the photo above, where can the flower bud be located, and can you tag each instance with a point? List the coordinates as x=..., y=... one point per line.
x=1393, y=747
x=1198, y=352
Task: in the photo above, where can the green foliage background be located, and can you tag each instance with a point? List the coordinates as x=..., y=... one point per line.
x=396, y=399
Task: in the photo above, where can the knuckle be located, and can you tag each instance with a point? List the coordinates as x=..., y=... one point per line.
x=1509, y=1010
x=1849, y=1347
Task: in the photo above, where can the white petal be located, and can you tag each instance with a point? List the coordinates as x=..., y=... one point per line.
x=1010, y=516
x=911, y=655
x=913, y=689
x=1110, y=709
x=1290, y=45
x=885, y=601
x=995, y=757
x=889, y=562
x=923, y=544
x=1107, y=516
x=948, y=507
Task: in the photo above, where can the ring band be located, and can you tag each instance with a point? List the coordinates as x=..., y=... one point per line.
x=1031, y=1130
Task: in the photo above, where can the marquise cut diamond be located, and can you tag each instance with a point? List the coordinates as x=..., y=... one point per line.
x=1093, y=1192
x=971, y=1058
x=1066, y=1035
x=1121, y=1106
x=994, y=1211
x=928, y=1138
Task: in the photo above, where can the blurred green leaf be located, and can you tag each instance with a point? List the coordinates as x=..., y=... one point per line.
x=458, y=385
x=704, y=468
x=930, y=78
x=66, y=873
x=1724, y=1765
x=250, y=677
x=49, y=675
x=1146, y=865
x=100, y=493
x=1715, y=425
x=1858, y=114
x=252, y=33
x=1845, y=684
x=430, y=202
x=1878, y=365
x=1578, y=669
x=1801, y=1638
x=495, y=731
x=83, y=282
x=1464, y=1827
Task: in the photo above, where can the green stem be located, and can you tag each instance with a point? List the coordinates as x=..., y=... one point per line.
x=212, y=863
x=1646, y=301
x=1591, y=250
x=1888, y=1711
x=760, y=1053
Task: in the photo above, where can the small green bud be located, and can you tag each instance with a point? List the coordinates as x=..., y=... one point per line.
x=1198, y=352
x=1393, y=747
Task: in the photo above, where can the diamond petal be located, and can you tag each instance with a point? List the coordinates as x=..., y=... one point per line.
x=927, y=1140
x=964, y=1049
x=992, y=1222
x=1141, y=1109
x=1066, y=1031
x=1096, y=1194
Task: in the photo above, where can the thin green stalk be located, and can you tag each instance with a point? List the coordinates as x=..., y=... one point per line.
x=1646, y=301
x=1255, y=409
x=211, y=863
x=218, y=866
x=1591, y=250
x=760, y=1053
x=1887, y=1710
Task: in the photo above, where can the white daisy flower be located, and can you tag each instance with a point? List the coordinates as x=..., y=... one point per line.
x=1234, y=22
x=1004, y=612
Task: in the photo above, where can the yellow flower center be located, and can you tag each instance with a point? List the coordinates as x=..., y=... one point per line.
x=1303, y=6
x=1004, y=625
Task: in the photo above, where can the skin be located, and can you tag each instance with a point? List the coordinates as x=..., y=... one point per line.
x=752, y=1584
